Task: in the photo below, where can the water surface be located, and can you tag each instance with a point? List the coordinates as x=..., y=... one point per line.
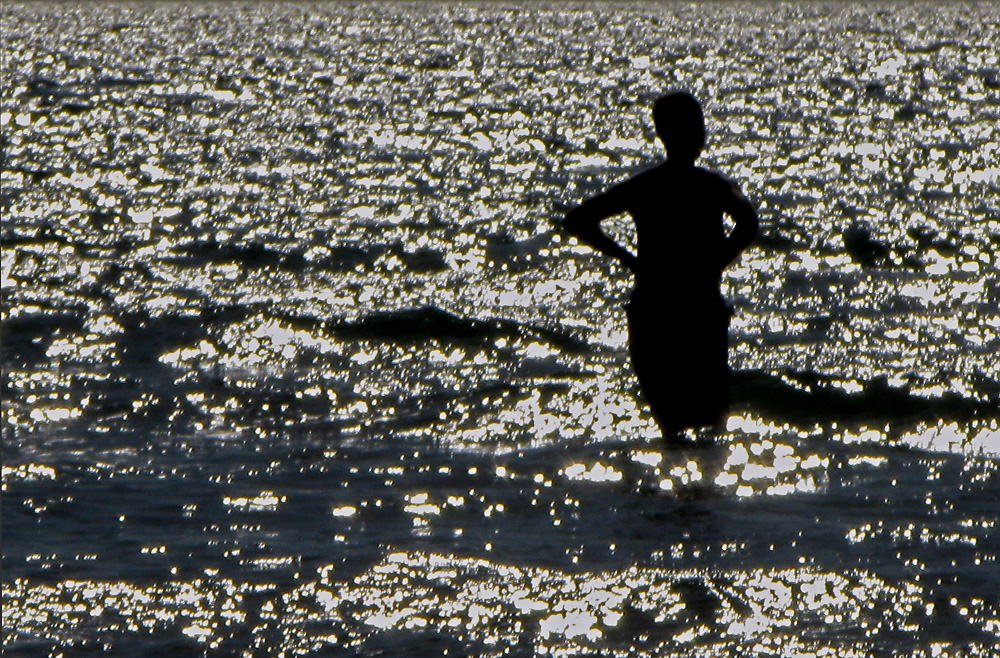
x=295, y=361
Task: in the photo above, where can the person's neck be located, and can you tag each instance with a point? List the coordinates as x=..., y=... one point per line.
x=680, y=163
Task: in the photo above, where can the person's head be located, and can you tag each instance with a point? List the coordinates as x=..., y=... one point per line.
x=680, y=125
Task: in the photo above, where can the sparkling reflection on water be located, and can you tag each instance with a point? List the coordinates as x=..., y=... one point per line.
x=294, y=360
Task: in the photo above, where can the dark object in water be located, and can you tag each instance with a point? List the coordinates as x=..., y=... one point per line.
x=862, y=248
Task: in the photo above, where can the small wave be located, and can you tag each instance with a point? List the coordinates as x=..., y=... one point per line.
x=26, y=337
x=347, y=258
x=250, y=255
x=990, y=77
x=439, y=60
x=869, y=251
x=338, y=259
x=43, y=236
x=47, y=88
x=503, y=247
x=410, y=325
x=810, y=397
x=935, y=46
x=126, y=82
x=145, y=338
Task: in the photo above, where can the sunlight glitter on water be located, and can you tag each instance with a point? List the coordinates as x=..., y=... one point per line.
x=496, y=604
x=206, y=248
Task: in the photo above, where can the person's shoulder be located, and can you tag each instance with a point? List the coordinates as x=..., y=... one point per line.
x=648, y=173
x=711, y=174
x=643, y=180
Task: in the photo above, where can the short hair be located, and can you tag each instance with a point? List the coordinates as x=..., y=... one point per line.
x=680, y=124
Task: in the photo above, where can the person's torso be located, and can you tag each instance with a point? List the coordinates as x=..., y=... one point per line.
x=680, y=233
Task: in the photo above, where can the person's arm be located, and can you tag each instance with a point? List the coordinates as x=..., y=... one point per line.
x=584, y=223
x=742, y=211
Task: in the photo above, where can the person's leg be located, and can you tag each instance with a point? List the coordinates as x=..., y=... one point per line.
x=683, y=370
x=648, y=347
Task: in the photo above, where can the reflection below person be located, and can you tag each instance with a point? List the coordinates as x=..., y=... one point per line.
x=678, y=319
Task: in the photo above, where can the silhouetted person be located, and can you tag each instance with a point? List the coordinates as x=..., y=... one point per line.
x=678, y=319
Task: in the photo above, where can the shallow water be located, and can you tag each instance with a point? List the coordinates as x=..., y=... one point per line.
x=294, y=360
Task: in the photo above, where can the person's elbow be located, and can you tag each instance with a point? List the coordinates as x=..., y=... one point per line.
x=575, y=222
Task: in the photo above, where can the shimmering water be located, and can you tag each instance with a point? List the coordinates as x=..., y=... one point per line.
x=295, y=363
